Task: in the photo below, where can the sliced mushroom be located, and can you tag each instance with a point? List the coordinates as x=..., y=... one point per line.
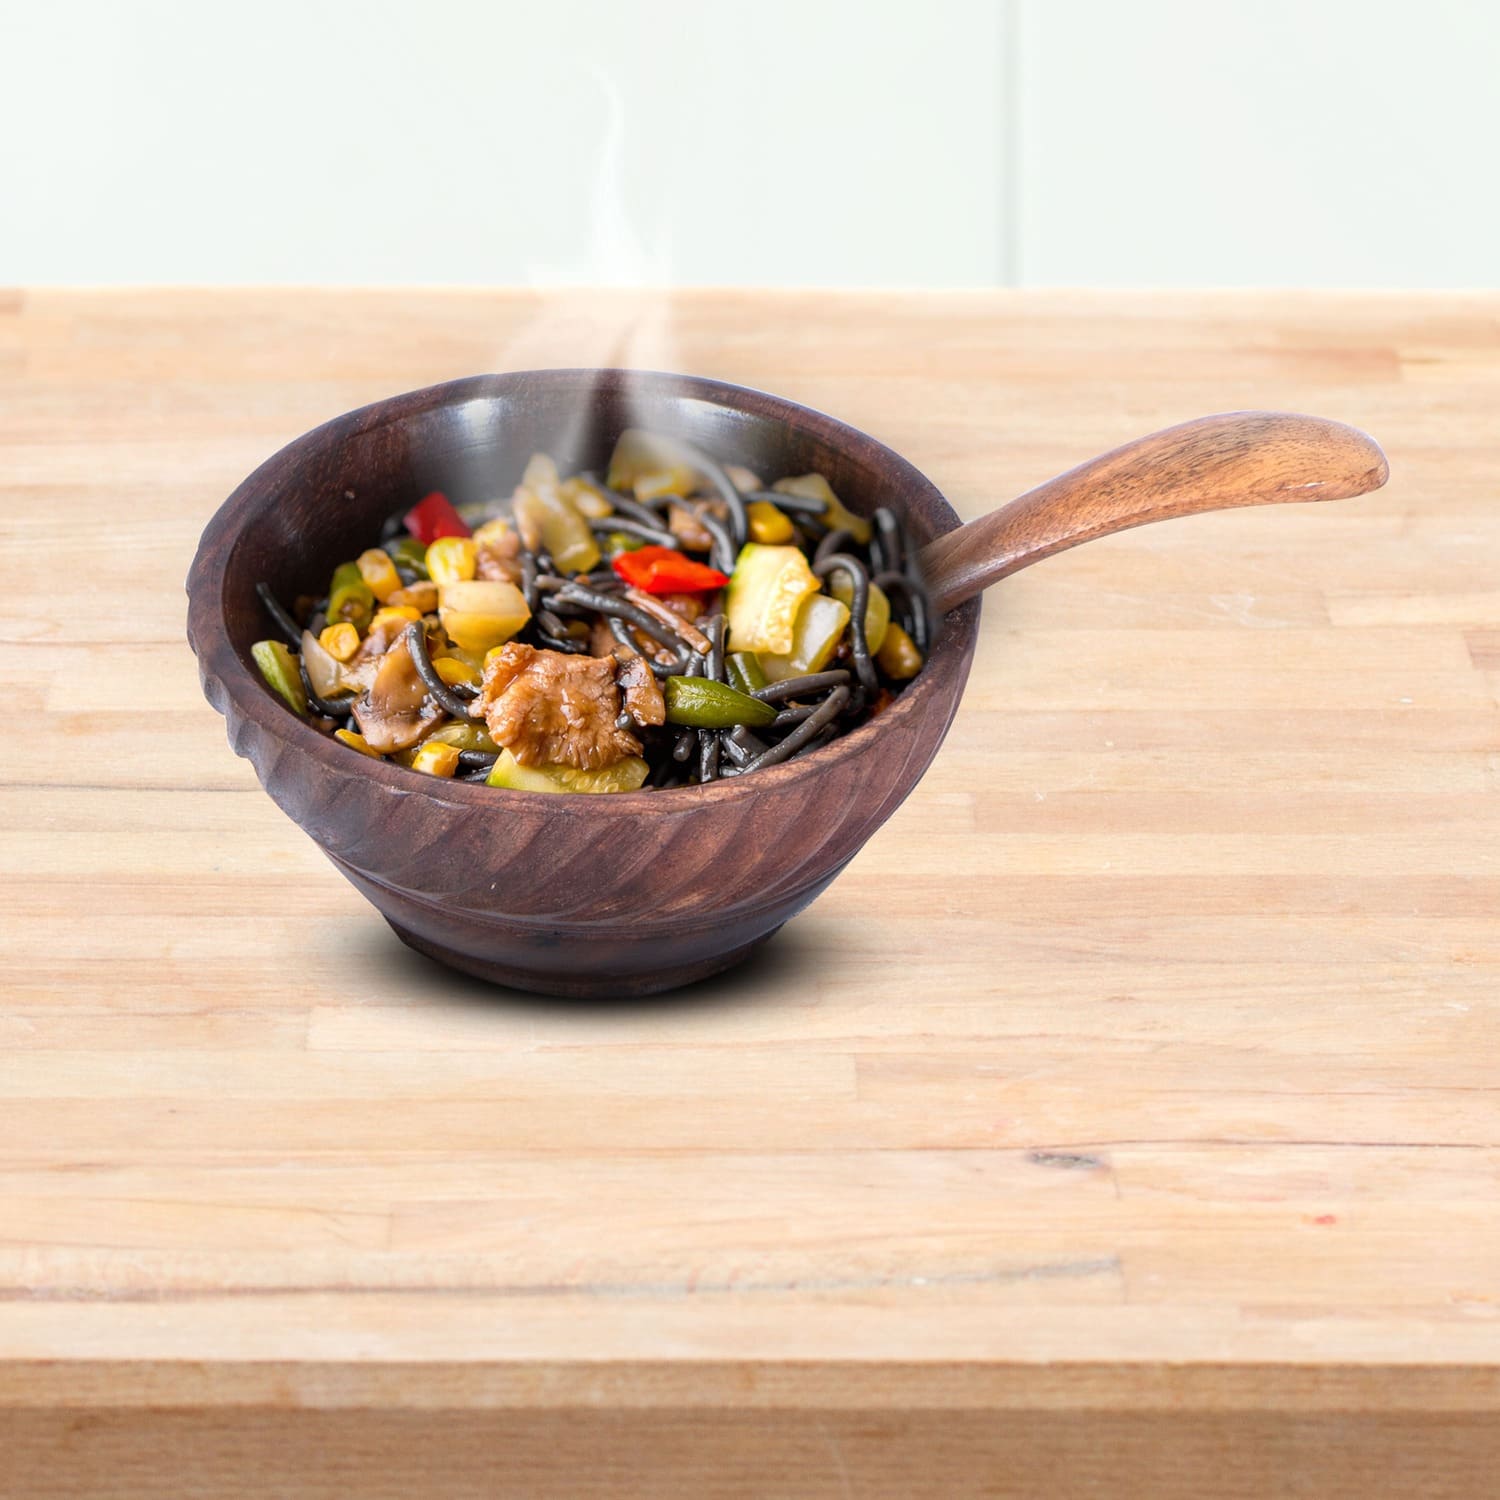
x=643, y=697
x=359, y=671
x=396, y=711
x=683, y=522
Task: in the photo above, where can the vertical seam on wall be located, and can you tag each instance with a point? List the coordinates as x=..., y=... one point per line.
x=1009, y=70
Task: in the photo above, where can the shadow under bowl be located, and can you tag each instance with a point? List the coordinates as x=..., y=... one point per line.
x=619, y=895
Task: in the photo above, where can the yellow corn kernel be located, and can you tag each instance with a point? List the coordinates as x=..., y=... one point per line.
x=767, y=524
x=356, y=741
x=451, y=559
x=340, y=641
x=378, y=572
x=898, y=656
x=399, y=614
x=453, y=671
x=436, y=758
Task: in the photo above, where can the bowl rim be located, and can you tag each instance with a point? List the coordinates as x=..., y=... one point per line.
x=220, y=662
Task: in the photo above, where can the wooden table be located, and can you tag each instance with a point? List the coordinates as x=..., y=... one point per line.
x=1123, y=1122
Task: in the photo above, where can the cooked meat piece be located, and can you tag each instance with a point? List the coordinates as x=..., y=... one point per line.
x=689, y=606
x=602, y=641
x=395, y=711
x=683, y=523
x=551, y=709
x=677, y=619
x=643, y=700
x=499, y=560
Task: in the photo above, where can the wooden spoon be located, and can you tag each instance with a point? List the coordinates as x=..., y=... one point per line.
x=1213, y=463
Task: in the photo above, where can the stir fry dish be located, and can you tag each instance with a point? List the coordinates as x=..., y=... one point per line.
x=675, y=623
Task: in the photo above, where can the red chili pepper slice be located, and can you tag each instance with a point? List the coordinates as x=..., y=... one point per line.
x=434, y=517
x=662, y=570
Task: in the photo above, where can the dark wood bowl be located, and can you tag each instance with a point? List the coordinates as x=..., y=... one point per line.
x=592, y=896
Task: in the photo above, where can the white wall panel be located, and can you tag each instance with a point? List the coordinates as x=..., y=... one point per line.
x=781, y=142
x=1259, y=142
x=812, y=142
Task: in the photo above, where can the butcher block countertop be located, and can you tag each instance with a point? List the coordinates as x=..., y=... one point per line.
x=1126, y=1120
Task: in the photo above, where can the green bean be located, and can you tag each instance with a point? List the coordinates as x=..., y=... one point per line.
x=703, y=703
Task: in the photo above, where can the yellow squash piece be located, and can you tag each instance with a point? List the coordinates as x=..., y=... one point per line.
x=541, y=470
x=479, y=615
x=587, y=499
x=899, y=657
x=765, y=592
x=877, y=607
x=648, y=464
x=451, y=559
x=836, y=515
x=626, y=775
x=549, y=523
x=679, y=480
x=379, y=573
x=820, y=624
x=468, y=736
x=767, y=524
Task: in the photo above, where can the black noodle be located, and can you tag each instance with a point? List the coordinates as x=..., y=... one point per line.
x=805, y=732
x=798, y=505
x=723, y=554
x=330, y=708
x=625, y=505
x=917, y=607
x=282, y=620
x=859, y=646
x=734, y=502
x=621, y=609
x=801, y=687
x=833, y=541
x=888, y=545
x=677, y=667
x=444, y=696
x=657, y=535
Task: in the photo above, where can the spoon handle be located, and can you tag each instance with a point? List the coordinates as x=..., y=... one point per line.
x=1213, y=463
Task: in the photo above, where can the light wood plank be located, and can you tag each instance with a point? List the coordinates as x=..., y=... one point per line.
x=1138, y=1077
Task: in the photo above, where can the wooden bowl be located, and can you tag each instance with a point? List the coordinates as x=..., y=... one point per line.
x=625, y=894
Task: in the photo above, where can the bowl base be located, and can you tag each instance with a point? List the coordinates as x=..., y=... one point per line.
x=579, y=986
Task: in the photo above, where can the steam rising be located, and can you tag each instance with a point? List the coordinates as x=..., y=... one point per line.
x=612, y=306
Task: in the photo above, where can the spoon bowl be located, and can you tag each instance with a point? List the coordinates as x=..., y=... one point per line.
x=633, y=893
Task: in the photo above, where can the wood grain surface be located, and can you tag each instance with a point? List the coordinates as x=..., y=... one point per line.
x=1126, y=1119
